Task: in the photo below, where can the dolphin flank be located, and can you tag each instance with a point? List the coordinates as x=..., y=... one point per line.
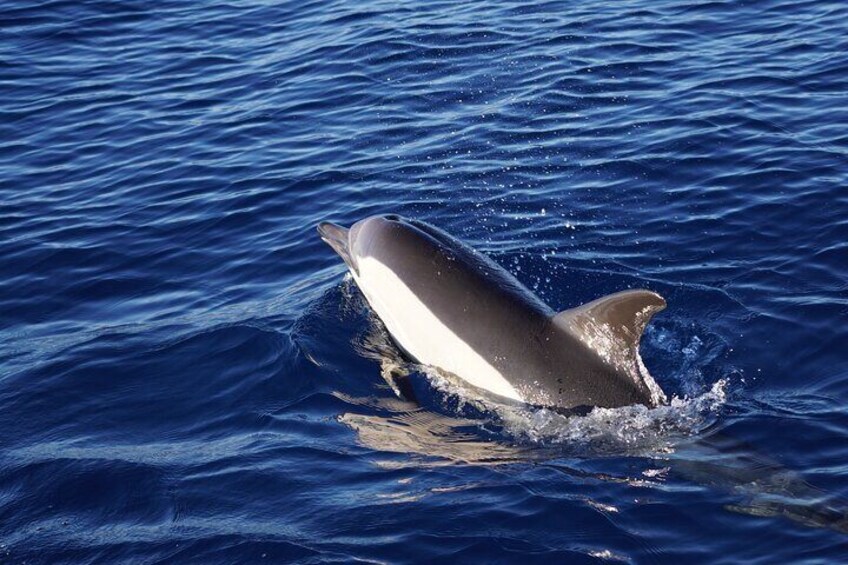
x=451, y=307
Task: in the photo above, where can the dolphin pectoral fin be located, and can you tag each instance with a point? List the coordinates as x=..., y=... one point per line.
x=337, y=237
x=613, y=326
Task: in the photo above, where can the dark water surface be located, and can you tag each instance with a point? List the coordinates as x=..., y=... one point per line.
x=187, y=376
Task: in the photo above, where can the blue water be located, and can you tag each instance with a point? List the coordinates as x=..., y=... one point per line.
x=186, y=374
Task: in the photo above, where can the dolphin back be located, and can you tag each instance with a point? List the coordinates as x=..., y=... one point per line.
x=451, y=307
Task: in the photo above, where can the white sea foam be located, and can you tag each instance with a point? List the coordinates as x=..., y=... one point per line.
x=626, y=429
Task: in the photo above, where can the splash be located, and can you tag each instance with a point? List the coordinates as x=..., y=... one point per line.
x=627, y=430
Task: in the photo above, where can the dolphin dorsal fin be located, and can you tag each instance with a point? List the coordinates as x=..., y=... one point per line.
x=625, y=314
x=612, y=326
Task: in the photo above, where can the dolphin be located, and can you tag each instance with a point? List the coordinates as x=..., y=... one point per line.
x=449, y=306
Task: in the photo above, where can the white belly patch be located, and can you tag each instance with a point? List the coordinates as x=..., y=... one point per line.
x=421, y=333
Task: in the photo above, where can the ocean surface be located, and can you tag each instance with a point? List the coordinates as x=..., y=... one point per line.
x=187, y=375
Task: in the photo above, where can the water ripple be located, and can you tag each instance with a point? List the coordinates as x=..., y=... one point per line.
x=184, y=376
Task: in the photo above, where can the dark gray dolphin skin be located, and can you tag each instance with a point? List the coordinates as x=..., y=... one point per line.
x=448, y=306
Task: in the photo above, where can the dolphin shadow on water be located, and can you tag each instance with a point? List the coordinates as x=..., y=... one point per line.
x=471, y=324
x=446, y=427
x=764, y=487
x=438, y=428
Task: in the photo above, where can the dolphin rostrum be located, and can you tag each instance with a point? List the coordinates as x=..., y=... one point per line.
x=450, y=307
